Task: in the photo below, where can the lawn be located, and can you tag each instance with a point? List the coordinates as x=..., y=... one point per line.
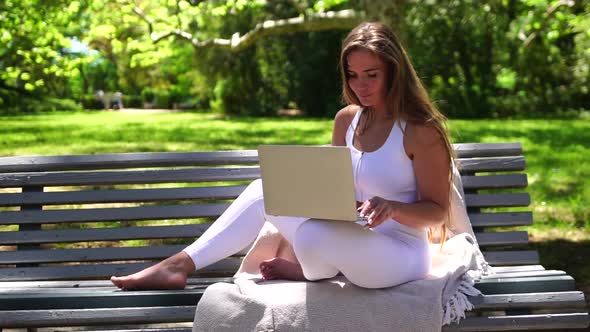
x=557, y=154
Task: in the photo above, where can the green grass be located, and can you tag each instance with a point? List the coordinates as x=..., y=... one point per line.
x=557, y=151
x=557, y=154
x=98, y=132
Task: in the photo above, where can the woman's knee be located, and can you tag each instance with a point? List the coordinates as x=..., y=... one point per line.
x=256, y=186
x=309, y=235
x=254, y=191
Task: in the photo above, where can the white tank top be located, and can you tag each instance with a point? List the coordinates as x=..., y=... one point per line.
x=386, y=172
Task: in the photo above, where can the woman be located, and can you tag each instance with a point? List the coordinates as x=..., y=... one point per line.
x=402, y=159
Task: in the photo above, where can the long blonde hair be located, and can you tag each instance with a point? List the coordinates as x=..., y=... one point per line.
x=406, y=96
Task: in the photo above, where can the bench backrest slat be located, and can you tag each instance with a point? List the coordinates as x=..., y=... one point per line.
x=121, y=196
x=163, y=251
x=103, y=234
x=114, y=214
x=503, y=181
x=198, y=193
x=496, y=164
x=125, y=160
x=501, y=219
x=128, y=177
x=176, y=159
x=497, y=200
x=183, y=211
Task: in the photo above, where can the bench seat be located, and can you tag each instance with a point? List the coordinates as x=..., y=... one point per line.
x=69, y=222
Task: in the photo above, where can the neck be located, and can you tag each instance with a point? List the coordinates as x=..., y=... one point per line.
x=380, y=113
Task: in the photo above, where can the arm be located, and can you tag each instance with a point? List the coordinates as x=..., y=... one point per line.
x=432, y=168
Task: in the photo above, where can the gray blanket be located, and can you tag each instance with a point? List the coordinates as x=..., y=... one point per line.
x=338, y=305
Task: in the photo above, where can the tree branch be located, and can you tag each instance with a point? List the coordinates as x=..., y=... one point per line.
x=344, y=19
x=144, y=17
x=527, y=40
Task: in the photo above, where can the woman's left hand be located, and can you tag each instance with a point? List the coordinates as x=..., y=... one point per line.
x=377, y=210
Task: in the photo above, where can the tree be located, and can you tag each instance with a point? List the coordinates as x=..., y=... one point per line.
x=34, y=43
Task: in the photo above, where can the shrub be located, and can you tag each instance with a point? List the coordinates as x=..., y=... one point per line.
x=147, y=95
x=132, y=101
x=162, y=100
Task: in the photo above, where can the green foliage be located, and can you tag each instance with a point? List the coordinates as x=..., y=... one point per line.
x=14, y=103
x=478, y=59
x=162, y=100
x=90, y=102
x=132, y=101
x=34, y=42
x=502, y=58
x=147, y=95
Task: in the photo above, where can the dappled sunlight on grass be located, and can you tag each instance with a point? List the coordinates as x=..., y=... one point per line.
x=103, y=132
x=557, y=153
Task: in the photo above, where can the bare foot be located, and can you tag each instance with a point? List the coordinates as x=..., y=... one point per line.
x=278, y=268
x=170, y=273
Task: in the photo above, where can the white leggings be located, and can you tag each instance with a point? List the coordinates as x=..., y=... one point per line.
x=368, y=258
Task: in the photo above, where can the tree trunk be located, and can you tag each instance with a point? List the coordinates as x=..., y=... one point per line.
x=390, y=12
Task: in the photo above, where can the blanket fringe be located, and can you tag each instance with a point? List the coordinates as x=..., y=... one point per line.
x=482, y=265
x=456, y=306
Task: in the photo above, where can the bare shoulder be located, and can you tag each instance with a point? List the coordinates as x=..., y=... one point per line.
x=341, y=122
x=422, y=137
x=346, y=114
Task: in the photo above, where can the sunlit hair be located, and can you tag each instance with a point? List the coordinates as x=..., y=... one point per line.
x=406, y=97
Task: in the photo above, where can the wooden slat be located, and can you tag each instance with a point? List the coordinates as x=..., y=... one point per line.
x=93, y=298
x=198, y=174
x=193, y=211
x=521, y=323
x=89, y=254
x=72, y=298
x=546, y=300
x=114, y=214
x=103, y=234
x=120, y=196
x=495, y=164
x=503, y=181
x=47, y=273
x=498, y=200
x=174, y=159
x=520, y=268
x=501, y=285
x=144, y=329
x=126, y=160
x=525, y=274
x=502, y=238
x=470, y=150
x=512, y=257
x=501, y=219
x=180, y=231
x=88, y=317
x=129, y=177
x=78, y=284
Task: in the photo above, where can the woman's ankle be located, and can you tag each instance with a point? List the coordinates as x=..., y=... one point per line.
x=181, y=262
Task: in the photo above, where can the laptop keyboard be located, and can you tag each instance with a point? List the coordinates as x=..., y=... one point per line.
x=359, y=218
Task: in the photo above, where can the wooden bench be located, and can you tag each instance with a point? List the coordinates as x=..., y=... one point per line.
x=109, y=201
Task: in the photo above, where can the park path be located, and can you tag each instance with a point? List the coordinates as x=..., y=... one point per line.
x=148, y=111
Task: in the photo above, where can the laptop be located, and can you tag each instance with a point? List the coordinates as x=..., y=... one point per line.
x=308, y=181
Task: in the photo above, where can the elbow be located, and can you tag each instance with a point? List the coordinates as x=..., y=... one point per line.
x=441, y=215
